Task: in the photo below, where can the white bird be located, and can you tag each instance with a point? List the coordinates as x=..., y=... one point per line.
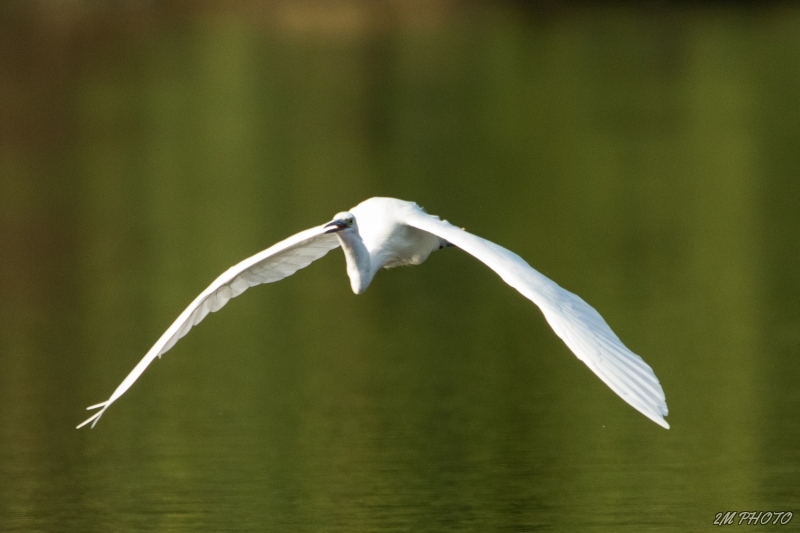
x=385, y=233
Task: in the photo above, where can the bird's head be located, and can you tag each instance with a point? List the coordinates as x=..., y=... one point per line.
x=341, y=221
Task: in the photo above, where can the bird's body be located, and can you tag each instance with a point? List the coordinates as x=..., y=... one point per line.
x=390, y=241
x=386, y=233
x=387, y=240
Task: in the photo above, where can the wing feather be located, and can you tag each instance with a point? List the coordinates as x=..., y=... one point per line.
x=578, y=324
x=273, y=264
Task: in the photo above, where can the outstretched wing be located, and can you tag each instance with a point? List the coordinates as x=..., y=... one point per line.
x=273, y=264
x=577, y=323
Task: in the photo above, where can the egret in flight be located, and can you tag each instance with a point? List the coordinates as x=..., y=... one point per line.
x=386, y=233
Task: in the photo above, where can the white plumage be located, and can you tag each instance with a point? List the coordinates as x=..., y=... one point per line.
x=384, y=233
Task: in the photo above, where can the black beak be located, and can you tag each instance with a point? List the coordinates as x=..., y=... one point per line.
x=336, y=225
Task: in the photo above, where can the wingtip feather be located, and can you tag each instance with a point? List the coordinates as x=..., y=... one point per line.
x=660, y=421
x=95, y=417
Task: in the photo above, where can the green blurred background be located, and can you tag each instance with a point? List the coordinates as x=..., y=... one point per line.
x=645, y=158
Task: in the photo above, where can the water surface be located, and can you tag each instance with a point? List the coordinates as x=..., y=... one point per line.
x=644, y=159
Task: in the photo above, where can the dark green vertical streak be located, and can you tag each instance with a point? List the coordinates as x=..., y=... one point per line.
x=776, y=73
x=724, y=247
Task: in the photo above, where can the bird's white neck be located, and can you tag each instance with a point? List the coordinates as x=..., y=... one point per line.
x=358, y=261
